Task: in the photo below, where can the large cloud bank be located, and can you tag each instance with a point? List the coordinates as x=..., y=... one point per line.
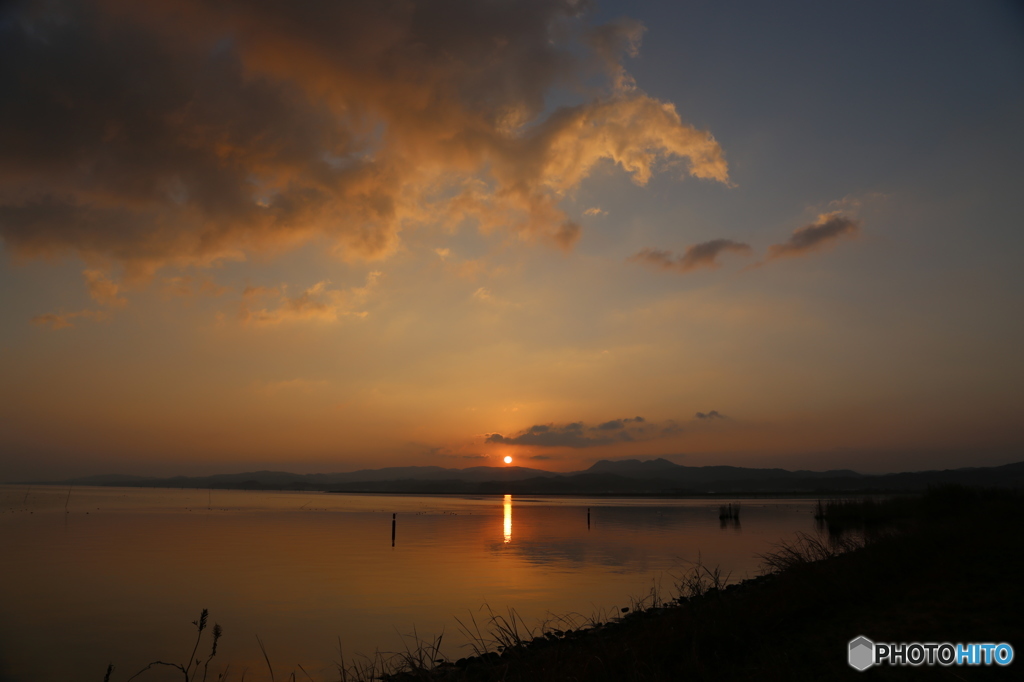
x=183, y=132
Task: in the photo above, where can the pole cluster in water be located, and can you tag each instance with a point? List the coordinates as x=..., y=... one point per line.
x=729, y=512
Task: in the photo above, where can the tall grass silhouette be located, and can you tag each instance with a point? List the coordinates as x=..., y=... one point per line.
x=188, y=670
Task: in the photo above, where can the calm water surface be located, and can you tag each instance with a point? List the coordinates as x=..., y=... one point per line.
x=120, y=576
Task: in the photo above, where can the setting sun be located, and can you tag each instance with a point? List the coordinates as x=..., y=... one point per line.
x=508, y=459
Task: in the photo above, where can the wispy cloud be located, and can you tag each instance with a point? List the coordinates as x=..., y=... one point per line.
x=318, y=303
x=485, y=295
x=65, y=320
x=703, y=255
x=822, y=233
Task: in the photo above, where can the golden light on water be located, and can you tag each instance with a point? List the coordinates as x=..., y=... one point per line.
x=508, y=459
x=508, y=517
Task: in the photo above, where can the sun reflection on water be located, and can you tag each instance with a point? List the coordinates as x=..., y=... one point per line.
x=508, y=518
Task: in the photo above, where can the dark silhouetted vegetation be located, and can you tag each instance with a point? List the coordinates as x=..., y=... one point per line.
x=190, y=669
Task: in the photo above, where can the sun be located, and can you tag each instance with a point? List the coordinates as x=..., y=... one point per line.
x=508, y=459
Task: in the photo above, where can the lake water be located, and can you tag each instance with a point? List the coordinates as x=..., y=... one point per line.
x=121, y=574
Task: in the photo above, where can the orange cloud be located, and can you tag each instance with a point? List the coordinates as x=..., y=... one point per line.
x=185, y=132
x=103, y=290
x=318, y=303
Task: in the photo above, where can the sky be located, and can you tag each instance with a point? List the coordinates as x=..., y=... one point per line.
x=325, y=236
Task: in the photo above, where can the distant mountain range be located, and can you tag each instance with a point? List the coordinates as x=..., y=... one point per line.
x=622, y=477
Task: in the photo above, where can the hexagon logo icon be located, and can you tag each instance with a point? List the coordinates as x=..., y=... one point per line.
x=862, y=653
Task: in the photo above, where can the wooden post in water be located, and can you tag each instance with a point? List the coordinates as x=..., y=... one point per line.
x=588, y=518
x=393, y=529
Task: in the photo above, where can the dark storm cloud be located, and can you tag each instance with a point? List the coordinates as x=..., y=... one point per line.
x=703, y=255
x=824, y=231
x=183, y=132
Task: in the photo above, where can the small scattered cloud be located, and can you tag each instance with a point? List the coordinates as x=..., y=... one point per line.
x=187, y=286
x=485, y=295
x=703, y=255
x=64, y=320
x=595, y=210
x=822, y=233
x=318, y=303
x=103, y=289
x=713, y=414
x=470, y=269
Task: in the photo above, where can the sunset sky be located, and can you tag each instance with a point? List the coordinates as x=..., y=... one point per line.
x=323, y=236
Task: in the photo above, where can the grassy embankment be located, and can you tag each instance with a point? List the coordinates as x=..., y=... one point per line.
x=943, y=566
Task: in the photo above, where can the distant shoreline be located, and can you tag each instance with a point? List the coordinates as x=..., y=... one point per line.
x=636, y=479
x=753, y=495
